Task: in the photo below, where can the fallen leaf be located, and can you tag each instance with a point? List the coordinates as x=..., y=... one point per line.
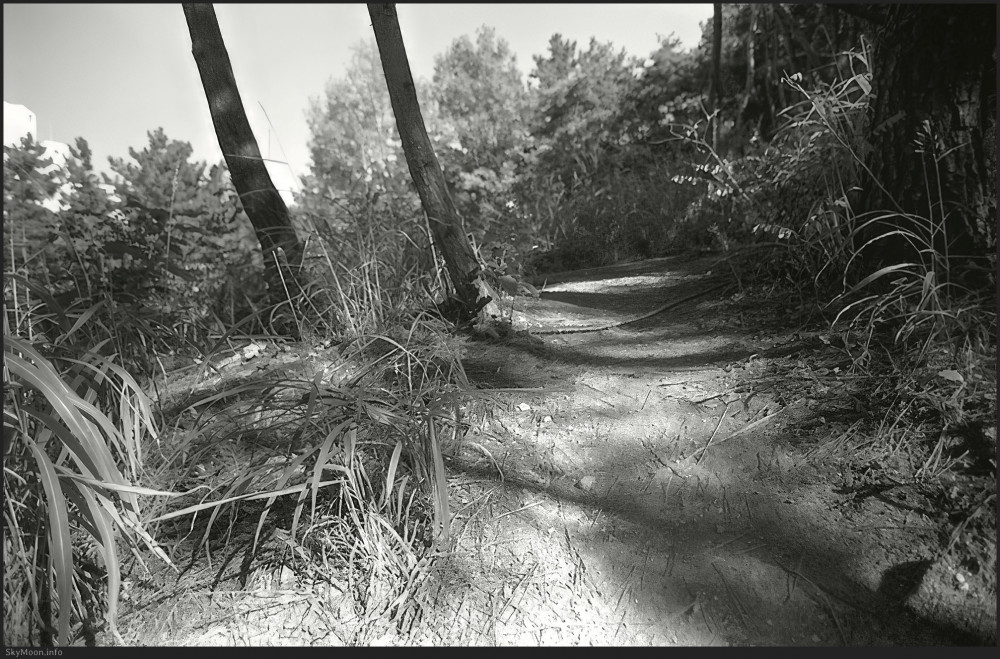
x=949, y=374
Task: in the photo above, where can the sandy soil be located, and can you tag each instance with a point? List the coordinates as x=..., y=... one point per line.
x=675, y=481
x=655, y=490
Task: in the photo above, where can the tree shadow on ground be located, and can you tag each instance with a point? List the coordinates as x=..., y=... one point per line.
x=865, y=616
x=733, y=572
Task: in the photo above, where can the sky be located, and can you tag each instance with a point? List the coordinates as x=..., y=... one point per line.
x=112, y=72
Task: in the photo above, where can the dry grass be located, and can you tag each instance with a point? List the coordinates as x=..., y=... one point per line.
x=332, y=446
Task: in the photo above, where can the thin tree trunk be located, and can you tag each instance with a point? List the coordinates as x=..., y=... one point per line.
x=716, y=71
x=791, y=34
x=464, y=268
x=743, y=130
x=767, y=54
x=261, y=201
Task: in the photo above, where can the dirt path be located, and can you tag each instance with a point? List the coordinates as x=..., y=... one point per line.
x=679, y=480
x=640, y=490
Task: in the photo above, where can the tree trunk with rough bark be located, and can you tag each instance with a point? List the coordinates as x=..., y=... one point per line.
x=743, y=130
x=464, y=269
x=716, y=72
x=261, y=201
x=933, y=129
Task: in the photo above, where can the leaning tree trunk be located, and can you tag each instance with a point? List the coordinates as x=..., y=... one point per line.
x=261, y=201
x=933, y=129
x=464, y=269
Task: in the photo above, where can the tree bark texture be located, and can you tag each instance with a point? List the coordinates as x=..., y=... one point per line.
x=935, y=66
x=261, y=201
x=766, y=53
x=743, y=130
x=446, y=225
x=716, y=71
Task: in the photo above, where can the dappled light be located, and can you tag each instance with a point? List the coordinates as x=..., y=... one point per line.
x=693, y=347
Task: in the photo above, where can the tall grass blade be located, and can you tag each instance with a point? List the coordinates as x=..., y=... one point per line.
x=251, y=496
x=60, y=543
x=81, y=321
x=103, y=533
x=391, y=472
x=287, y=474
x=325, y=451
x=440, y=482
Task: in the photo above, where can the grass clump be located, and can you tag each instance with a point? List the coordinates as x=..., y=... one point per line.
x=76, y=425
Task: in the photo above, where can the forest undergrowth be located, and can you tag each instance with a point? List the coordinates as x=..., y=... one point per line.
x=154, y=417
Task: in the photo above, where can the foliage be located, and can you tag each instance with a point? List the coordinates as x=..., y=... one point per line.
x=600, y=158
x=173, y=244
x=481, y=102
x=368, y=290
x=603, y=124
x=27, y=221
x=583, y=181
x=479, y=92
x=359, y=187
x=669, y=91
x=75, y=427
x=355, y=149
x=763, y=43
x=796, y=192
x=340, y=443
x=366, y=280
x=927, y=336
x=190, y=225
x=578, y=98
x=801, y=194
x=920, y=300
